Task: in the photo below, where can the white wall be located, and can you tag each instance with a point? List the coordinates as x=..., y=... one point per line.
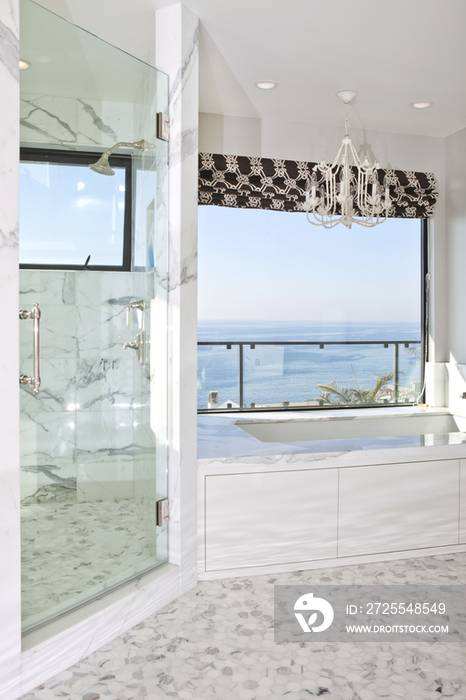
x=272, y=139
x=455, y=159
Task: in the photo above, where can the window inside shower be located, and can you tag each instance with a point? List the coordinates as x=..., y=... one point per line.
x=71, y=216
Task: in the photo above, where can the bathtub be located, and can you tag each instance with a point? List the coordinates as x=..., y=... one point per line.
x=302, y=490
x=355, y=425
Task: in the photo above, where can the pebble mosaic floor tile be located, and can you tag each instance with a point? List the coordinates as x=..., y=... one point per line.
x=216, y=643
x=70, y=550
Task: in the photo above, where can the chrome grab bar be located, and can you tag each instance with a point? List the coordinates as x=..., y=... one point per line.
x=35, y=315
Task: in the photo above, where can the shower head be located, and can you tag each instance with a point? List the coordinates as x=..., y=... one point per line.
x=102, y=166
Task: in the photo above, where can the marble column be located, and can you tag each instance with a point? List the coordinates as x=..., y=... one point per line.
x=10, y=585
x=177, y=35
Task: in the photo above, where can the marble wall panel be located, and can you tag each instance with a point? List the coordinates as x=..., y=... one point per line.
x=104, y=384
x=93, y=391
x=48, y=439
x=58, y=388
x=145, y=485
x=10, y=545
x=105, y=288
x=104, y=123
x=57, y=333
x=104, y=436
x=47, y=287
x=51, y=121
x=48, y=120
x=102, y=481
x=177, y=41
x=102, y=331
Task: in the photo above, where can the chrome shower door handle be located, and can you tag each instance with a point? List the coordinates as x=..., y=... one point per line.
x=35, y=315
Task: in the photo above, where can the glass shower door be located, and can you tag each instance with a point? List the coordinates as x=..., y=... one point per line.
x=93, y=437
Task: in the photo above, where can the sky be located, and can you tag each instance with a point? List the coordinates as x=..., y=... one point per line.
x=268, y=265
x=68, y=212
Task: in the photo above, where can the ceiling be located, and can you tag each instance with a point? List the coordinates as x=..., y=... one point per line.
x=393, y=52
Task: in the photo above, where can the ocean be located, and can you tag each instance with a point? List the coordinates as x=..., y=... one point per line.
x=276, y=374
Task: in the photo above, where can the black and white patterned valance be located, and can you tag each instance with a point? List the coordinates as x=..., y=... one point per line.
x=269, y=183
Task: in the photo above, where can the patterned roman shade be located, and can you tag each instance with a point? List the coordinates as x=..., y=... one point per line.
x=270, y=183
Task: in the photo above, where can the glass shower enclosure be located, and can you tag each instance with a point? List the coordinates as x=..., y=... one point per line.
x=93, y=303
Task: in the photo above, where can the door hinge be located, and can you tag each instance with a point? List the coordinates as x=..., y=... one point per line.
x=163, y=126
x=161, y=512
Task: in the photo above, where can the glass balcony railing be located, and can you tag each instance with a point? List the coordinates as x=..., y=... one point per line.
x=266, y=375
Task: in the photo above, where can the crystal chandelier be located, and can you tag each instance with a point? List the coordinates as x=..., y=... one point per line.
x=347, y=191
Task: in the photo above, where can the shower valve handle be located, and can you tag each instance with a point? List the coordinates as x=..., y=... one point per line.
x=137, y=345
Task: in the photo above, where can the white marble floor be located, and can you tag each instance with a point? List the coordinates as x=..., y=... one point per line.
x=72, y=551
x=216, y=642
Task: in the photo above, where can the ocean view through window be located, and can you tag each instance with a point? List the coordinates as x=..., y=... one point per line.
x=294, y=317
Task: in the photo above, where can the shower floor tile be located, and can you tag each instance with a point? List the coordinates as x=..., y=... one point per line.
x=216, y=642
x=73, y=551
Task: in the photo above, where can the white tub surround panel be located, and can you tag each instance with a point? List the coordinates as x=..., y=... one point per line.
x=463, y=501
x=177, y=55
x=403, y=506
x=10, y=603
x=256, y=519
x=436, y=377
x=281, y=513
x=456, y=387
x=455, y=154
x=266, y=507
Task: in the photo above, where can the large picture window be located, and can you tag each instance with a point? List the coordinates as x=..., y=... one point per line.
x=74, y=214
x=294, y=316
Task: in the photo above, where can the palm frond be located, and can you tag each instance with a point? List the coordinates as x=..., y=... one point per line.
x=380, y=383
x=342, y=392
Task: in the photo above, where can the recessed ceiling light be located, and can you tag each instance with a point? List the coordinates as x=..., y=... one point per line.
x=24, y=64
x=266, y=85
x=421, y=105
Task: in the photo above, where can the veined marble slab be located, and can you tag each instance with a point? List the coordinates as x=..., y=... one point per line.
x=220, y=438
x=68, y=122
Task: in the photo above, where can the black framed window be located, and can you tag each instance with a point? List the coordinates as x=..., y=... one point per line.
x=293, y=316
x=68, y=212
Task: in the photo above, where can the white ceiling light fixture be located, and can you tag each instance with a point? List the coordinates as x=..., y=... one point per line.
x=23, y=64
x=348, y=191
x=266, y=85
x=421, y=105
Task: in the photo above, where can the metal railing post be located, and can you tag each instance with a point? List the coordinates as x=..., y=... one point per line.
x=240, y=375
x=396, y=372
